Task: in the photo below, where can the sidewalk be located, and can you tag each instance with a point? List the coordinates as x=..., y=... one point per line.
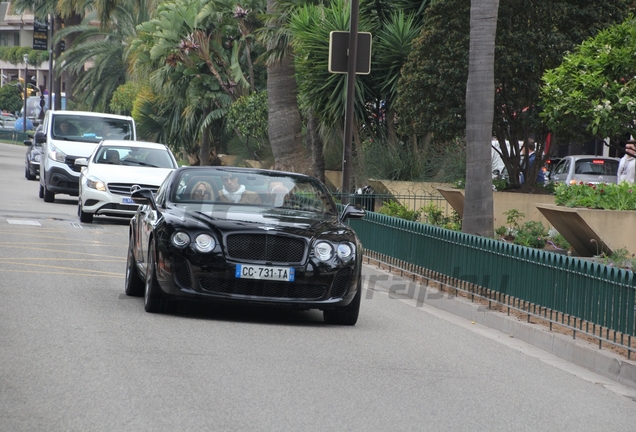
x=575, y=351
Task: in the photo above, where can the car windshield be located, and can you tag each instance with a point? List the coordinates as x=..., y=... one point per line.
x=221, y=188
x=134, y=156
x=90, y=129
x=596, y=167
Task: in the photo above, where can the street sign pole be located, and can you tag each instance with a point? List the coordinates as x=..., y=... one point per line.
x=349, y=113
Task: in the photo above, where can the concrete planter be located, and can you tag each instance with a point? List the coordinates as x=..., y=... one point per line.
x=592, y=232
x=503, y=202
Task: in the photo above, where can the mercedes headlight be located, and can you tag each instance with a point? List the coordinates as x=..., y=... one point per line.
x=95, y=183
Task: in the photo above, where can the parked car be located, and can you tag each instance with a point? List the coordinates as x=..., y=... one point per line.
x=32, y=159
x=83, y=132
x=586, y=169
x=549, y=166
x=7, y=121
x=113, y=170
x=246, y=236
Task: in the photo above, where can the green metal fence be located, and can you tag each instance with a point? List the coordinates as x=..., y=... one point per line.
x=589, y=292
x=12, y=136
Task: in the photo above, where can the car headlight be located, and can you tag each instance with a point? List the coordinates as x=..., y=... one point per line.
x=56, y=155
x=204, y=243
x=95, y=183
x=36, y=157
x=323, y=251
x=344, y=251
x=180, y=239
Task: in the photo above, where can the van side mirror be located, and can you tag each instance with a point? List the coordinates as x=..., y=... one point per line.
x=40, y=137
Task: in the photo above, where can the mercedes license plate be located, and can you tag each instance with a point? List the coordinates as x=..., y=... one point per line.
x=244, y=271
x=127, y=201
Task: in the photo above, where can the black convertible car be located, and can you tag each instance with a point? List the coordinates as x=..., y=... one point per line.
x=248, y=236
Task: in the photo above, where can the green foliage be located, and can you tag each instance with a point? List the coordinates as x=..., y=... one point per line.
x=597, y=196
x=620, y=258
x=395, y=209
x=248, y=115
x=123, y=98
x=559, y=241
x=512, y=218
x=434, y=215
x=15, y=55
x=531, y=38
x=10, y=98
x=595, y=85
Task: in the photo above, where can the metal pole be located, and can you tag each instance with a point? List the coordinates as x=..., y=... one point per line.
x=26, y=77
x=351, y=91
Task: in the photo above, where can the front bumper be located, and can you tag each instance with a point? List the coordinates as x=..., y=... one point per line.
x=322, y=289
x=104, y=203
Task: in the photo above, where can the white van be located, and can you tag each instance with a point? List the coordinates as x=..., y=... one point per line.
x=68, y=135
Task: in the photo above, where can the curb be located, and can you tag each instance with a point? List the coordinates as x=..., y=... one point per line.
x=575, y=351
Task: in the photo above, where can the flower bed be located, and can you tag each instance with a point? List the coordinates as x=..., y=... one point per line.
x=597, y=196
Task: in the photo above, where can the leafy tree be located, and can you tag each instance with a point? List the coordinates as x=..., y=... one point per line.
x=248, y=116
x=531, y=38
x=10, y=98
x=594, y=89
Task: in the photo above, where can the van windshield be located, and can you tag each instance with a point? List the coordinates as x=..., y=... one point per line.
x=90, y=129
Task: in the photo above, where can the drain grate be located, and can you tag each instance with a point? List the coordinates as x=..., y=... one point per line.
x=86, y=226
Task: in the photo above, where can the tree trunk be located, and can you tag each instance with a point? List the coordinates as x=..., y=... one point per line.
x=480, y=100
x=57, y=78
x=285, y=127
x=204, y=152
x=316, y=146
x=69, y=77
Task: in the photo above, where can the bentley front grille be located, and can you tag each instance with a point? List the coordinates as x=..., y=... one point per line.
x=265, y=247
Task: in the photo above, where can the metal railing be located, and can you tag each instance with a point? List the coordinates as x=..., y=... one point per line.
x=13, y=136
x=584, y=296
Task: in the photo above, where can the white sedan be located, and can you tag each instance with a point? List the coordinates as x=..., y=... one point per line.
x=114, y=170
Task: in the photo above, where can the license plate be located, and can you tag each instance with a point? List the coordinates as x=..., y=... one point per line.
x=127, y=201
x=244, y=271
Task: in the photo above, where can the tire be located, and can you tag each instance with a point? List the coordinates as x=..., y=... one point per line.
x=41, y=192
x=152, y=292
x=48, y=196
x=347, y=315
x=27, y=172
x=83, y=216
x=134, y=284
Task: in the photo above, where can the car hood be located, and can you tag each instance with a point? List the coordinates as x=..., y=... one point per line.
x=238, y=218
x=127, y=174
x=75, y=148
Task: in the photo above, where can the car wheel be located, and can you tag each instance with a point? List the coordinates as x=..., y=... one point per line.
x=83, y=216
x=134, y=283
x=347, y=315
x=152, y=294
x=41, y=192
x=48, y=195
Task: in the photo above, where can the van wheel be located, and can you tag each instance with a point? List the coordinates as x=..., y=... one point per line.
x=41, y=192
x=48, y=195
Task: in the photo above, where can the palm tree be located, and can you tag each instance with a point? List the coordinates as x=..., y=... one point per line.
x=284, y=122
x=480, y=97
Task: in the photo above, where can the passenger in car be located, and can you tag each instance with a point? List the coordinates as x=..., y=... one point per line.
x=202, y=191
x=235, y=192
x=112, y=157
x=276, y=194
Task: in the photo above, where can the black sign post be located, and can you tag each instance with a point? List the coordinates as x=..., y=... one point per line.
x=40, y=35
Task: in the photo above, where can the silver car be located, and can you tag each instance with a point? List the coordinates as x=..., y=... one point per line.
x=587, y=169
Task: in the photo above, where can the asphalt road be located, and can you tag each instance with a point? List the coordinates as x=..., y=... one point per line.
x=76, y=354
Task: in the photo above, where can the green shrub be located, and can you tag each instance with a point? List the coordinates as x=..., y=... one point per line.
x=395, y=209
x=597, y=196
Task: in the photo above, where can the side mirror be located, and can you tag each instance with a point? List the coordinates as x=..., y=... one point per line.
x=40, y=137
x=144, y=197
x=352, y=211
x=82, y=162
x=27, y=142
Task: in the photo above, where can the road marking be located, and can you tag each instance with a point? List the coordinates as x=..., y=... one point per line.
x=23, y=222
